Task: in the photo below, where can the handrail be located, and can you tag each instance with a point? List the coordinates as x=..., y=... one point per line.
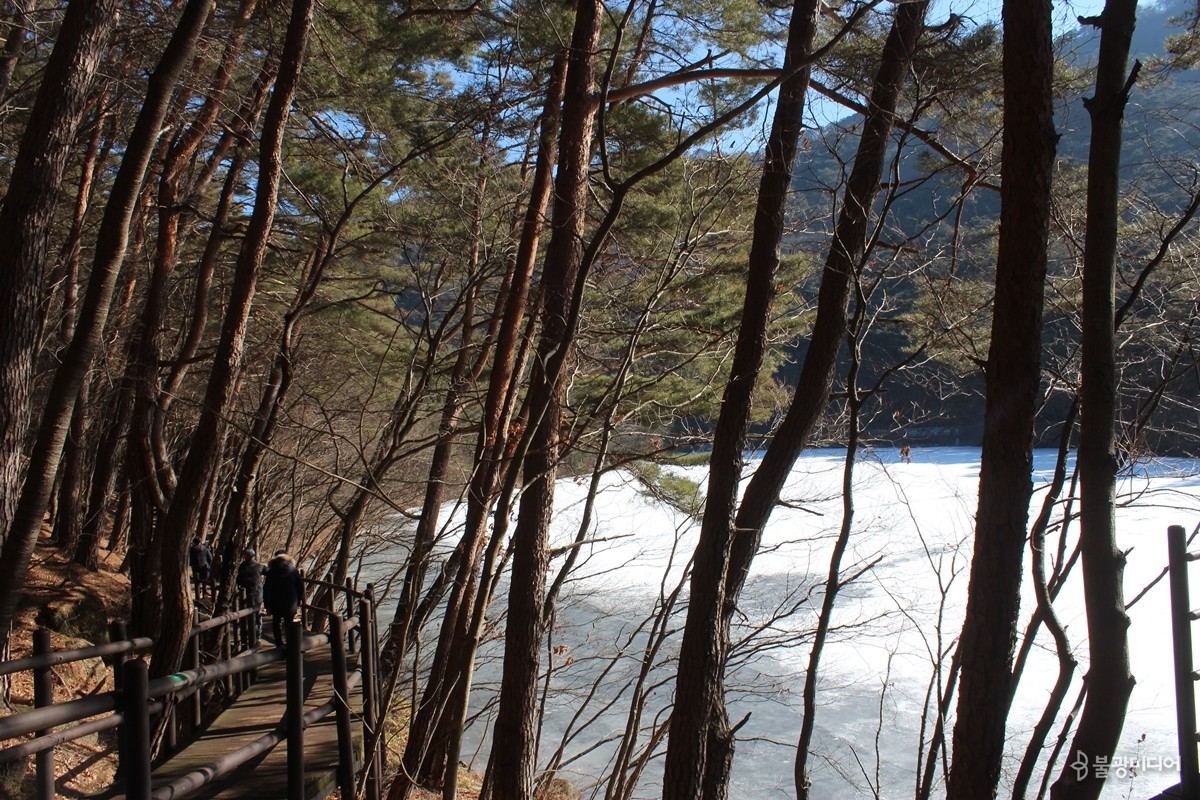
x=75, y=710
x=335, y=586
x=216, y=622
x=31, y=746
x=59, y=657
x=179, y=681
x=186, y=784
x=78, y=654
x=1185, y=693
x=59, y=714
x=128, y=706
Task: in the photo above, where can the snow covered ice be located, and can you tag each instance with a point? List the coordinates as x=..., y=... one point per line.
x=893, y=624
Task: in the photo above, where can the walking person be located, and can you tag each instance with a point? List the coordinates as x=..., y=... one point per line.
x=250, y=581
x=283, y=593
x=200, y=559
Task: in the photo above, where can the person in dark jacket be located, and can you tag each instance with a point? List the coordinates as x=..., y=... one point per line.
x=283, y=593
x=200, y=558
x=250, y=581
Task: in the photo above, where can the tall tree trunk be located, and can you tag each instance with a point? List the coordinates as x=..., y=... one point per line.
x=697, y=705
x=179, y=525
x=104, y=476
x=69, y=511
x=385, y=455
x=230, y=538
x=25, y=229
x=1013, y=372
x=149, y=466
x=708, y=741
x=1108, y=680
x=425, y=754
x=514, y=749
x=111, y=243
x=235, y=524
x=110, y=446
x=115, y=420
x=68, y=520
x=1046, y=613
x=834, y=580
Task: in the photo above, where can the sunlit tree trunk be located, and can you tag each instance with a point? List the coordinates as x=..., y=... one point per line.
x=179, y=524
x=704, y=725
x=514, y=749
x=425, y=756
x=68, y=519
x=149, y=466
x=425, y=533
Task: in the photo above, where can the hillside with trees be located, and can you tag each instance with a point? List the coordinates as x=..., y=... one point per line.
x=339, y=277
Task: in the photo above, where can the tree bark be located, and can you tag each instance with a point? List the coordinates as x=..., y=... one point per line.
x=68, y=518
x=833, y=580
x=14, y=43
x=149, y=467
x=179, y=525
x=104, y=476
x=730, y=548
x=1109, y=682
x=426, y=531
x=514, y=752
x=1012, y=375
x=25, y=229
x=111, y=243
x=698, y=709
x=425, y=755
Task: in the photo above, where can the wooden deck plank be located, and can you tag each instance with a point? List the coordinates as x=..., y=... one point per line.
x=257, y=711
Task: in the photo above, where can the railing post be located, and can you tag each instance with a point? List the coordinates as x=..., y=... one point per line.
x=135, y=738
x=117, y=633
x=43, y=695
x=234, y=636
x=371, y=643
x=1185, y=691
x=371, y=734
x=373, y=639
x=226, y=633
x=355, y=633
x=295, y=710
x=197, y=699
x=341, y=698
x=170, y=703
x=238, y=624
x=303, y=610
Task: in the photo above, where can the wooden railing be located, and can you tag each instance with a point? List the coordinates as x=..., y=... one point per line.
x=136, y=699
x=1182, y=617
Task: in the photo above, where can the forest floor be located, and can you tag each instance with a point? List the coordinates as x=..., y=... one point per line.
x=76, y=605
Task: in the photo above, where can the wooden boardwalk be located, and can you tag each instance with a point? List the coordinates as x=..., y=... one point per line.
x=257, y=711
